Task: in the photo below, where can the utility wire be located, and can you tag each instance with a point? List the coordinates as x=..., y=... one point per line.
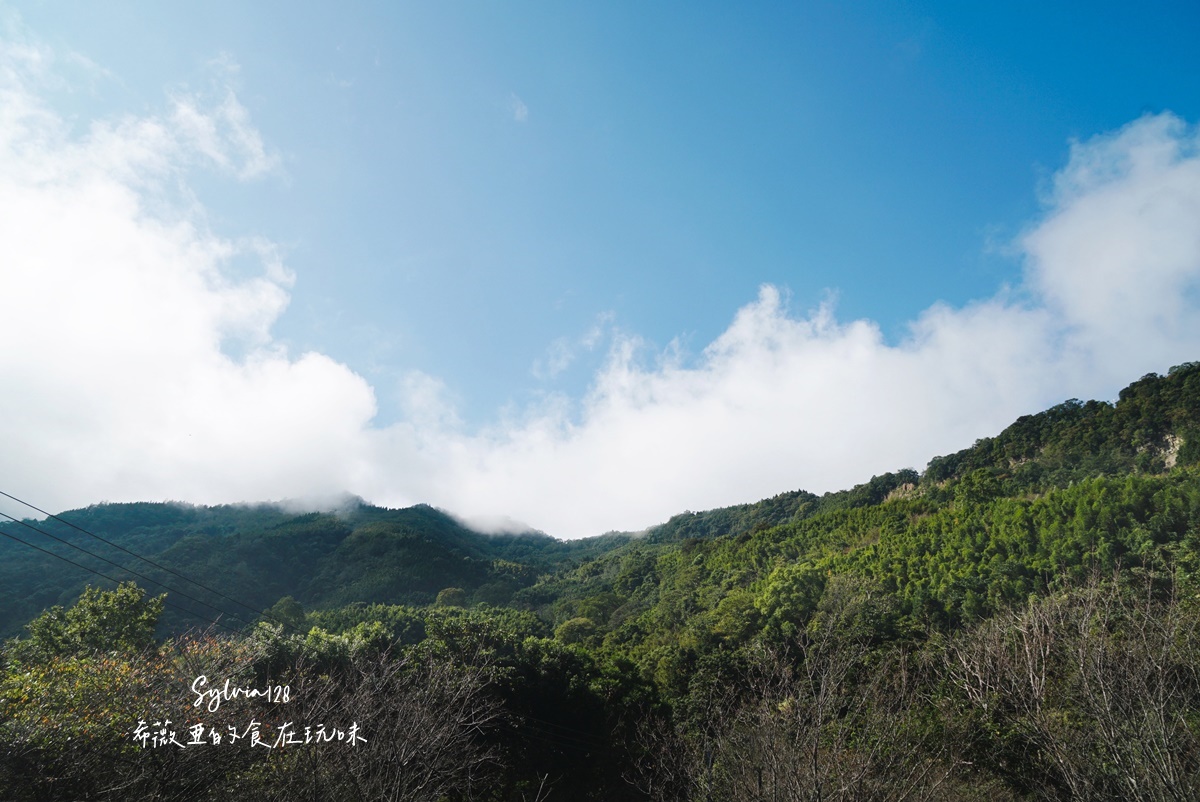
x=106, y=576
x=249, y=607
x=168, y=588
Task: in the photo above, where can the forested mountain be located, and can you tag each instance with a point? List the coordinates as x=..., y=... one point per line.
x=258, y=554
x=1019, y=621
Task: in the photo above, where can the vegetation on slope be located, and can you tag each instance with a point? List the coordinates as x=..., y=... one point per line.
x=1017, y=622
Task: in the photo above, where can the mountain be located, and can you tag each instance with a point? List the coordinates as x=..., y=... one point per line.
x=1153, y=426
x=1077, y=489
x=1017, y=622
x=258, y=554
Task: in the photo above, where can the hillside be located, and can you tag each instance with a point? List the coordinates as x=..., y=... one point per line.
x=1017, y=622
x=258, y=554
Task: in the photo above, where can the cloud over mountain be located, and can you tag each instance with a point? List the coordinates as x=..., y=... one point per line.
x=782, y=401
x=138, y=365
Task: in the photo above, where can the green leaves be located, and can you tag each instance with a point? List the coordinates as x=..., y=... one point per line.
x=121, y=620
x=791, y=598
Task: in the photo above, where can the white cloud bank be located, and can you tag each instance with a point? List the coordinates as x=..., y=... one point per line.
x=116, y=381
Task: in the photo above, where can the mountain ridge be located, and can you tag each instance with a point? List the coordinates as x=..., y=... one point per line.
x=261, y=552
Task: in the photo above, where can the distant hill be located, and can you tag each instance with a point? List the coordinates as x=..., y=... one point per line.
x=1077, y=488
x=1018, y=620
x=258, y=554
x=1153, y=426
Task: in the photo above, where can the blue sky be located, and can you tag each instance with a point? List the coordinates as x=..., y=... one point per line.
x=543, y=261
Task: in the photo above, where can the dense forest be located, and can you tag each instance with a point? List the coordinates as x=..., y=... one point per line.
x=1019, y=621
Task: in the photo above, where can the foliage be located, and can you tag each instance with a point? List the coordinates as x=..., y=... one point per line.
x=1025, y=608
x=121, y=620
x=260, y=554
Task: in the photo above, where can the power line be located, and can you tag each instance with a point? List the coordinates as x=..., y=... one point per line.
x=251, y=608
x=166, y=587
x=106, y=576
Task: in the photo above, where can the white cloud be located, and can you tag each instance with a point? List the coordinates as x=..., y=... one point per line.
x=776, y=403
x=224, y=135
x=563, y=351
x=780, y=401
x=520, y=112
x=1118, y=257
x=118, y=382
x=559, y=356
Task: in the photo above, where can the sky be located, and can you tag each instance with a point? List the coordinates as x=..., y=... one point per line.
x=575, y=267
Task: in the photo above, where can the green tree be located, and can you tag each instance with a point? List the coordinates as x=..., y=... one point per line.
x=121, y=620
x=576, y=630
x=452, y=597
x=290, y=613
x=791, y=598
